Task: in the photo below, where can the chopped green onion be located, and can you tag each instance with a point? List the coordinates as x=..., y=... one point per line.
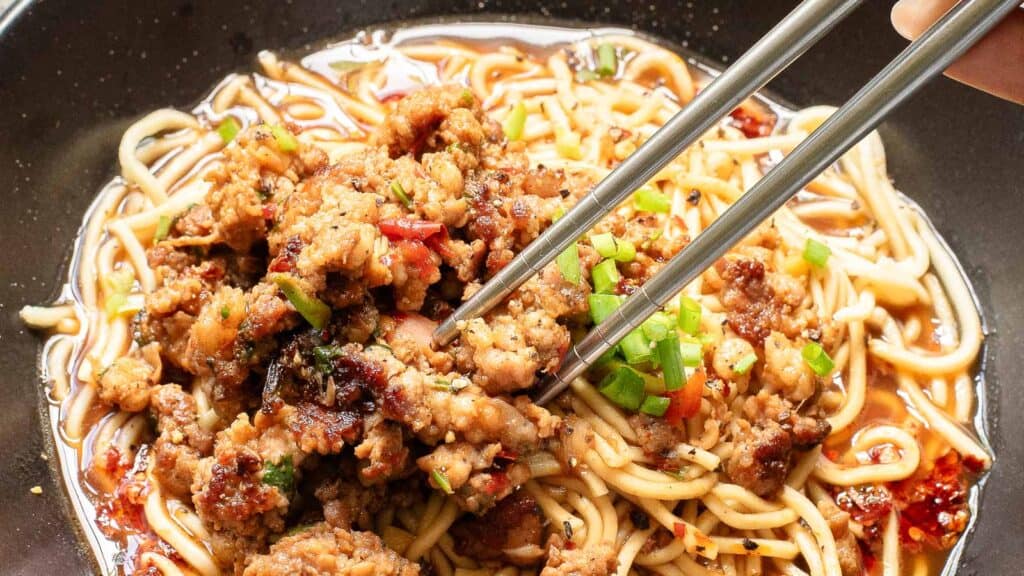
x=567, y=144
x=816, y=253
x=118, y=284
x=606, y=277
x=163, y=228
x=602, y=306
x=225, y=312
x=608, y=246
x=132, y=304
x=743, y=365
x=515, y=121
x=585, y=75
x=655, y=405
x=281, y=475
x=689, y=315
x=670, y=357
x=607, y=60
x=399, y=192
x=569, y=264
x=441, y=480
x=286, y=141
x=636, y=347
x=817, y=359
x=466, y=98
x=624, y=387
x=312, y=309
x=647, y=199
x=658, y=327
x=228, y=129
x=323, y=357
x=692, y=353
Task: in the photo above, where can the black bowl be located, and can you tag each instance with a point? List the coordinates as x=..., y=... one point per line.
x=74, y=74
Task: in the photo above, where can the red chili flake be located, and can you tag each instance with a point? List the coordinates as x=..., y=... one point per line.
x=498, y=483
x=866, y=504
x=507, y=455
x=933, y=509
x=974, y=465
x=679, y=529
x=285, y=260
x=409, y=228
x=416, y=256
x=752, y=122
x=269, y=212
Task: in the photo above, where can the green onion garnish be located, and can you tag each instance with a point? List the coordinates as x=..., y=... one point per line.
x=817, y=359
x=647, y=199
x=323, y=357
x=118, y=284
x=441, y=480
x=816, y=253
x=567, y=144
x=658, y=327
x=312, y=309
x=569, y=264
x=606, y=277
x=466, y=98
x=636, y=347
x=692, y=353
x=228, y=129
x=743, y=365
x=163, y=228
x=689, y=315
x=286, y=141
x=608, y=246
x=281, y=475
x=399, y=192
x=515, y=121
x=585, y=75
x=602, y=306
x=655, y=405
x=607, y=60
x=624, y=387
x=670, y=357
x=225, y=312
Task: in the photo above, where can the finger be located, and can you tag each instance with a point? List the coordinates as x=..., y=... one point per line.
x=995, y=64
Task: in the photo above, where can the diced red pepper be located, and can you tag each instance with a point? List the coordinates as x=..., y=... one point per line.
x=679, y=529
x=752, y=122
x=686, y=400
x=409, y=228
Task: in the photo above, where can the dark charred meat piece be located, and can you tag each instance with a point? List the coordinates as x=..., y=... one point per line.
x=760, y=459
x=512, y=532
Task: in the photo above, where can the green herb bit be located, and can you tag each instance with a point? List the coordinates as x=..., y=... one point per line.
x=607, y=60
x=399, y=192
x=286, y=141
x=602, y=306
x=515, y=122
x=310, y=307
x=670, y=357
x=608, y=246
x=624, y=387
x=689, y=315
x=743, y=365
x=225, y=312
x=816, y=253
x=163, y=228
x=818, y=359
x=323, y=357
x=441, y=480
x=655, y=405
x=636, y=348
x=648, y=199
x=569, y=264
x=280, y=475
x=606, y=277
x=567, y=144
x=658, y=327
x=228, y=129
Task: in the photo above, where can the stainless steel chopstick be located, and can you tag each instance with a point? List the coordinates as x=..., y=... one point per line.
x=790, y=38
x=925, y=58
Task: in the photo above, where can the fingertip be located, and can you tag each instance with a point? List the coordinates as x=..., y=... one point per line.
x=903, y=20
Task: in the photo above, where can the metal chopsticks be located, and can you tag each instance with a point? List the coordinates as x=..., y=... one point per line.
x=925, y=58
x=790, y=38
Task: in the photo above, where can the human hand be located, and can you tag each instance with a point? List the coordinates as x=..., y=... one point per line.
x=995, y=64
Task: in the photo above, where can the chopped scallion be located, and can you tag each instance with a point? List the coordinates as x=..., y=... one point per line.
x=655, y=405
x=225, y=312
x=585, y=75
x=658, y=327
x=569, y=264
x=441, y=480
x=692, y=353
x=636, y=348
x=323, y=357
x=228, y=129
x=817, y=358
x=118, y=284
x=608, y=246
x=163, y=228
x=602, y=306
x=310, y=307
x=399, y=192
x=624, y=387
x=743, y=365
x=607, y=60
x=671, y=359
x=567, y=144
x=281, y=475
x=816, y=253
x=286, y=141
x=606, y=277
x=648, y=199
x=515, y=122
x=689, y=315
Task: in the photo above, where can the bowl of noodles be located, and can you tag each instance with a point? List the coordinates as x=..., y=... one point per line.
x=237, y=374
